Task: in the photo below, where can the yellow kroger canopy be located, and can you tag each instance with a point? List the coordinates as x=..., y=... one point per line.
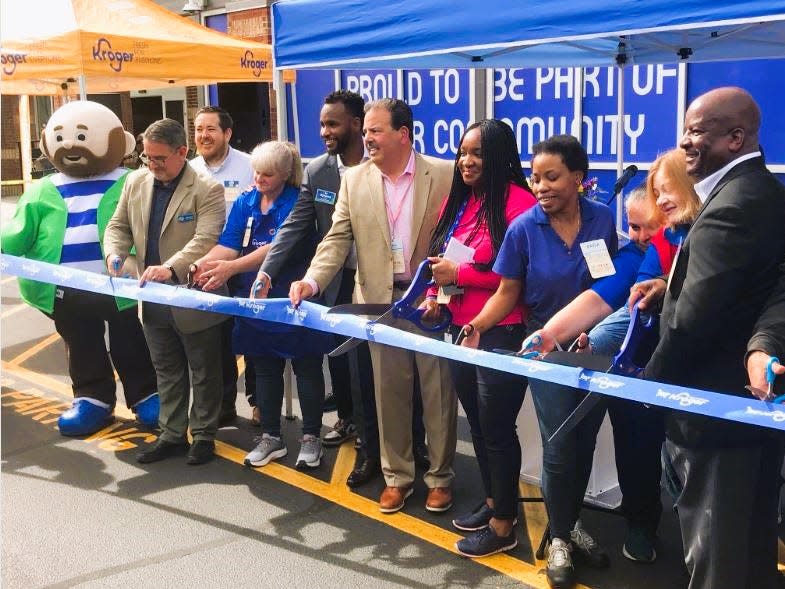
x=117, y=45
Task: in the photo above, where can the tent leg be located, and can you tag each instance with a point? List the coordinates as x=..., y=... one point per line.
x=25, y=140
x=280, y=105
x=82, y=88
x=620, y=143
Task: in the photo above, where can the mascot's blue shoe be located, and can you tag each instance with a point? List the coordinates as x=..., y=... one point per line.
x=147, y=410
x=85, y=417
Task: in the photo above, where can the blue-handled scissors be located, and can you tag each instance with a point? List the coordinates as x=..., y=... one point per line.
x=770, y=378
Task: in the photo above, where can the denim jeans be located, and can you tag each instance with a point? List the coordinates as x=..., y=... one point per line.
x=270, y=392
x=492, y=400
x=638, y=433
x=566, y=462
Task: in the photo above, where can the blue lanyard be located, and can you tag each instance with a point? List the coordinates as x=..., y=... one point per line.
x=455, y=223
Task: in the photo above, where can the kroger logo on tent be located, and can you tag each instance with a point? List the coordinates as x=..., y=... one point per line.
x=256, y=66
x=102, y=51
x=9, y=61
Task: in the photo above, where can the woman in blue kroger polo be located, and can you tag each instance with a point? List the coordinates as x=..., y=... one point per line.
x=253, y=222
x=542, y=262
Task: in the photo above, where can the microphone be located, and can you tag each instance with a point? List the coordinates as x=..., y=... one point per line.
x=628, y=174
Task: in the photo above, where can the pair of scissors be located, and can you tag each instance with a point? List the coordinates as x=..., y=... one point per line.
x=404, y=308
x=768, y=394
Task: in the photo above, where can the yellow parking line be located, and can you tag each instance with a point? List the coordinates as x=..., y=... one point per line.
x=33, y=350
x=337, y=492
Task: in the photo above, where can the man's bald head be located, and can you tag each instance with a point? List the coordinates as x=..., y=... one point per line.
x=719, y=127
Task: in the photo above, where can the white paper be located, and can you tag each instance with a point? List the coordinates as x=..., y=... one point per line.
x=597, y=258
x=458, y=252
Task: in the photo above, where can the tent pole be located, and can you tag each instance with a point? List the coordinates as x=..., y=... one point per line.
x=82, y=88
x=25, y=140
x=620, y=143
x=280, y=104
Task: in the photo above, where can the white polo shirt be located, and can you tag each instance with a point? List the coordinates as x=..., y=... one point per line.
x=234, y=173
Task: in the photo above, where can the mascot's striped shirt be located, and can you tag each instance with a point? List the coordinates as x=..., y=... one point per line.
x=81, y=248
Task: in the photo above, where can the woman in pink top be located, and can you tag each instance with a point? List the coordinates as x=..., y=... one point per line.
x=488, y=191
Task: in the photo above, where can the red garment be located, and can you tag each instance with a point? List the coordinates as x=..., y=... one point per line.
x=478, y=286
x=666, y=251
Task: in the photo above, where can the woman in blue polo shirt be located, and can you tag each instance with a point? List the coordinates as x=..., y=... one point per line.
x=255, y=218
x=542, y=262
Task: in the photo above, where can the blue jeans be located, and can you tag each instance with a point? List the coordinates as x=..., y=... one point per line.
x=566, y=462
x=270, y=392
x=638, y=433
x=492, y=400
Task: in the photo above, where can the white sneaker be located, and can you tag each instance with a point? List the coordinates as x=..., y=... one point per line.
x=560, y=571
x=267, y=449
x=310, y=452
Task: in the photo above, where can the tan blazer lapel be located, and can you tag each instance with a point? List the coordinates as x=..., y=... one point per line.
x=144, y=202
x=180, y=193
x=421, y=195
x=377, y=204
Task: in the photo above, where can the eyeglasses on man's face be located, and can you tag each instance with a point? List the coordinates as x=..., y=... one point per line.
x=158, y=160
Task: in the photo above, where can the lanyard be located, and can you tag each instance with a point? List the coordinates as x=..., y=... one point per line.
x=392, y=218
x=455, y=223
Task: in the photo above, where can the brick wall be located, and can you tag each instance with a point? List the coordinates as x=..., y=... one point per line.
x=11, y=168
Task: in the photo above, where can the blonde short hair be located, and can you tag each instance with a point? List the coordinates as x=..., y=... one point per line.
x=280, y=157
x=673, y=164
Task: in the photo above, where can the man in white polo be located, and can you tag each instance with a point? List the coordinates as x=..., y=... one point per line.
x=232, y=168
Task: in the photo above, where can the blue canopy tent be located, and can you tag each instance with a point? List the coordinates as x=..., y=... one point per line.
x=509, y=33
x=362, y=34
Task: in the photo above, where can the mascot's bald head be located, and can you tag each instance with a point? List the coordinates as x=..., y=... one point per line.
x=84, y=138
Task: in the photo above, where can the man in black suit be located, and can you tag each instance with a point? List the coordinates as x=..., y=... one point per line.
x=720, y=281
x=769, y=340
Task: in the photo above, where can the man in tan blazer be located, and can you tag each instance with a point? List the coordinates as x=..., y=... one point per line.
x=389, y=206
x=173, y=216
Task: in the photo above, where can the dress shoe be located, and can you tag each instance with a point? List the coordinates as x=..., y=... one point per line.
x=201, y=451
x=439, y=499
x=365, y=469
x=393, y=498
x=86, y=416
x=421, y=459
x=256, y=416
x=161, y=450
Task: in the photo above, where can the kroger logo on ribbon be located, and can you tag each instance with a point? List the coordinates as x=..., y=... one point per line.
x=62, y=274
x=332, y=319
x=252, y=305
x=602, y=382
x=9, y=61
x=256, y=66
x=102, y=51
x=684, y=398
x=775, y=415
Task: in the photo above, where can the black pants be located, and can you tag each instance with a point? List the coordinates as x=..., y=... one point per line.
x=638, y=433
x=341, y=373
x=79, y=318
x=492, y=400
x=728, y=512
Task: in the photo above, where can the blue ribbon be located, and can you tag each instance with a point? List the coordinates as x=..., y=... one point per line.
x=724, y=406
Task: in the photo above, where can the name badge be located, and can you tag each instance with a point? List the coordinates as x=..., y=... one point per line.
x=185, y=217
x=325, y=196
x=399, y=265
x=597, y=258
x=232, y=190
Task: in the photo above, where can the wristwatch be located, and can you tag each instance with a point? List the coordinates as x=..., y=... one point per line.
x=174, y=276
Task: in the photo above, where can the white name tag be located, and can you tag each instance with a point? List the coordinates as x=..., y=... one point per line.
x=399, y=266
x=597, y=258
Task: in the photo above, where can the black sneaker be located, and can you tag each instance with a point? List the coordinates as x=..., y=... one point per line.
x=330, y=404
x=201, y=451
x=343, y=430
x=485, y=542
x=587, y=550
x=560, y=571
x=639, y=545
x=477, y=519
x=161, y=450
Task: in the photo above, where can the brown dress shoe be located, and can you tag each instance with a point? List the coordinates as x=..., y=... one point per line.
x=393, y=498
x=439, y=499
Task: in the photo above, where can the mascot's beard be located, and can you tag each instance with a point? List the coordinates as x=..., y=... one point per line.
x=80, y=162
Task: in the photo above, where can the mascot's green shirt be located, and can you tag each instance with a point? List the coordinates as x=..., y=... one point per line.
x=37, y=231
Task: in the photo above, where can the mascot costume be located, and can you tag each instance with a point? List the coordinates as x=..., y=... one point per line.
x=61, y=219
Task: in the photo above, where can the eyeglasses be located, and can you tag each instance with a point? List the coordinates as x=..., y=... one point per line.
x=158, y=160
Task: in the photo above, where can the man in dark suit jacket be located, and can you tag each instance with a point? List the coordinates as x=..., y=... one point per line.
x=769, y=340
x=720, y=281
x=341, y=123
